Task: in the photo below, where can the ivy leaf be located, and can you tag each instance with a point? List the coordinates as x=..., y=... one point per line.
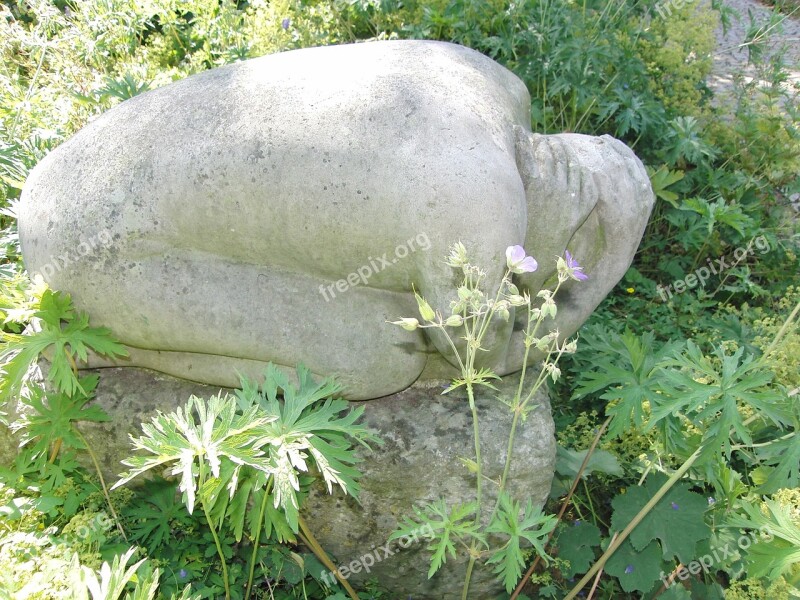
x=533, y=527
x=575, y=544
x=636, y=569
x=677, y=520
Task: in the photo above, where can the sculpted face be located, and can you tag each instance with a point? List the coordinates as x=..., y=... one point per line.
x=284, y=210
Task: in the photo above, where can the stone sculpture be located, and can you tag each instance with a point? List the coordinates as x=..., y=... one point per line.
x=280, y=209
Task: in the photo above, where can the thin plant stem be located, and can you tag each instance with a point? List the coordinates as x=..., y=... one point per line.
x=201, y=478
x=476, y=433
x=254, y=555
x=310, y=541
x=468, y=576
x=103, y=485
x=613, y=546
x=564, y=505
x=219, y=551
x=783, y=330
x=55, y=450
x=597, y=577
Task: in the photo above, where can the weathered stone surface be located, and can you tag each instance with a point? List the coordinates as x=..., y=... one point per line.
x=281, y=208
x=424, y=435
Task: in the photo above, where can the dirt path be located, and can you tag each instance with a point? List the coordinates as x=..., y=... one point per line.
x=731, y=57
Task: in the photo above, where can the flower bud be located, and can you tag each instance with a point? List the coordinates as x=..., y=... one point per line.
x=407, y=323
x=425, y=310
x=454, y=321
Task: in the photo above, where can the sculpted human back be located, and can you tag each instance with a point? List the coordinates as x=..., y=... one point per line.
x=232, y=198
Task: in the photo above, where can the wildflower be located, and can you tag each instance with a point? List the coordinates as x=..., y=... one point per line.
x=454, y=321
x=629, y=569
x=630, y=290
x=674, y=506
x=458, y=256
x=518, y=262
x=570, y=268
x=407, y=323
x=711, y=500
x=183, y=573
x=425, y=310
x=285, y=23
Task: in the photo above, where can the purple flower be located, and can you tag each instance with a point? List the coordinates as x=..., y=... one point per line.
x=574, y=269
x=285, y=23
x=518, y=262
x=183, y=573
x=629, y=569
x=674, y=506
x=711, y=500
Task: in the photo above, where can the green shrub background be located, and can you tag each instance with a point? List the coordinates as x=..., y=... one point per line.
x=725, y=174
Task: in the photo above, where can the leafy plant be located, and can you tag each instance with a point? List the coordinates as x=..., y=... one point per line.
x=777, y=551
x=64, y=336
x=475, y=311
x=227, y=448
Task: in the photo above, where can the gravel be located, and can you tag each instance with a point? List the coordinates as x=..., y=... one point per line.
x=731, y=55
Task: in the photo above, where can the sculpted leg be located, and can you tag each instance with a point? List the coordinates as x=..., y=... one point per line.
x=215, y=316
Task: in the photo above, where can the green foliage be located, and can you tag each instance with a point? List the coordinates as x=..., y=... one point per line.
x=576, y=544
x=663, y=178
x=777, y=552
x=229, y=448
x=529, y=525
x=157, y=516
x=676, y=522
x=65, y=337
x=636, y=569
x=215, y=441
x=456, y=525
x=628, y=370
x=53, y=416
x=678, y=55
x=713, y=393
x=723, y=172
x=308, y=424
